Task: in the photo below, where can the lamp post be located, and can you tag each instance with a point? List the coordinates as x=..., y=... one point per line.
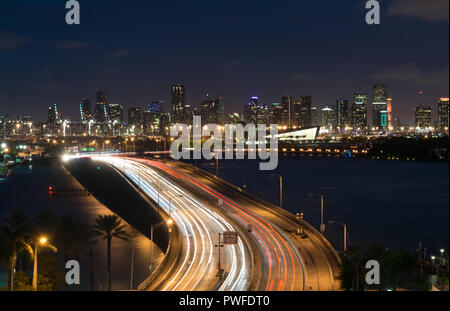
x=345, y=233
x=43, y=242
x=169, y=222
x=322, y=224
x=281, y=189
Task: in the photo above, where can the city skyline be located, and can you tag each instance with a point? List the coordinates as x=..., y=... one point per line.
x=136, y=62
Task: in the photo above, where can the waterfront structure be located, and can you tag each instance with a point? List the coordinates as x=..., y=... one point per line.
x=359, y=112
x=379, y=105
x=442, y=114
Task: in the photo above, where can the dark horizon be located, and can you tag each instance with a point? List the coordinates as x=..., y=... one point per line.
x=230, y=49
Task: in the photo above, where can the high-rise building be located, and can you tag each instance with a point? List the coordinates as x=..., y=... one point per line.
x=135, y=120
x=276, y=114
x=53, y=119
x=101, y=107
x=315, y=117
x=85, y=110
x=234, y=118
x=423, y=117
x=251, y=111
x=379, y=104
x=115, y=113
x=443, y=114
x=181, y=112
x=288, y=111
x=305, y=111
x=359, y=112
x=328, y=117
x=211, y=111
x=342, y=113
x=389, y=113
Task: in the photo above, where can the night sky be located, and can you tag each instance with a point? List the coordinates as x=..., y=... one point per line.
x=135, y=50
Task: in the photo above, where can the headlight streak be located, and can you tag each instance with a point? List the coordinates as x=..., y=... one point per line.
x=195, y=222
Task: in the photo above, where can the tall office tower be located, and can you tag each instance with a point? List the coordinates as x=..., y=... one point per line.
x=328, y=117
x=263, y=114
x=135, y=119
x=181, y=112
x=288, y=111
x=115, y=113
x=342, y=113
x=423, y=117
x=211, y=110
x=101, y=106
x=251, y=111
x=379, y=104
x=443, y=112
x=315, y=117
x=85, y=110
x=359, y=112
x=389, y=113
x=53, y=118
x=276, y=114
x=152, y=123
x=305, y=111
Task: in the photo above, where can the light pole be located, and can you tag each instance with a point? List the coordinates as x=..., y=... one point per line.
x=169, y=222
x=281, y=189
x=345, y=233
x=322, y=224
x=42, y=241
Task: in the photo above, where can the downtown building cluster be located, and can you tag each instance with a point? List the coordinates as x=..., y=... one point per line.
x=347, y=116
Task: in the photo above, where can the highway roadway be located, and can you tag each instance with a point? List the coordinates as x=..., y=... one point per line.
x=199, y=226
x=270, y=257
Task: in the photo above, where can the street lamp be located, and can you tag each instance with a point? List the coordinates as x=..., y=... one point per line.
x=281, y=189
x=169, y=223
x=322, y=225
x=345, y=232
x=43, y=242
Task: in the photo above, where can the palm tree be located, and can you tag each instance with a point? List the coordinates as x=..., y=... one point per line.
x=14, y=231
x=109, y=226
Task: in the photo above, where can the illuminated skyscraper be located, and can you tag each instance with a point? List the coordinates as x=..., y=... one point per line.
x=101, y=109
x=359, y=112
x=423, y=117
x=212, y=110
x=85, y=110
x=305, y=111
x=135, y=119
x=380, y=97
x=288, y=111
x=315, y=117
x=342, y=113
x=251, y=111
x=443, y=114
x=181, y=111
x=389, y=112
x=328, y=117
